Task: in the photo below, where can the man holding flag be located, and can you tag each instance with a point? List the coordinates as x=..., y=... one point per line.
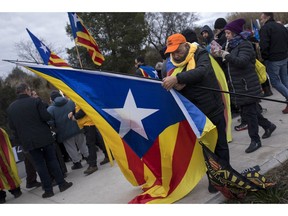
x=193, y=71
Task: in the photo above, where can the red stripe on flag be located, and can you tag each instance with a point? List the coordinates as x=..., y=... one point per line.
x=182, y=153
x=88, y=43
x=4, y=146
x=135, y=164
x=6, y=174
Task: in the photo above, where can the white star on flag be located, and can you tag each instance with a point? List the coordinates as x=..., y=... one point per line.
x=131, y=116
x=75, y=19
x=44, y=48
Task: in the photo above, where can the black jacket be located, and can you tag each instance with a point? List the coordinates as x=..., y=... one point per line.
x=209, y=102
x=242, y=75
x=28, y=118
x=273, y=41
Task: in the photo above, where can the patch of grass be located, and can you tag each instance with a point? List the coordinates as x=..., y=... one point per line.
x=275, y=194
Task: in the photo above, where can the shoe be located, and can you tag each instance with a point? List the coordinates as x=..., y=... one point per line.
x=76, y=165
x=33, y=184
x=241, y=127
x=2, y=200
x=17, y=194
x=106, y=160
x=212, y=189
x=253, y=146
x=90, y=170
x=269, y=131
x=47, y=194
x=285, y=111
x=65, y=186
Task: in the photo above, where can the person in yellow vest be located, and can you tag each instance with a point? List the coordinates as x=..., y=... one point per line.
x=9, y=179
x=93, y=139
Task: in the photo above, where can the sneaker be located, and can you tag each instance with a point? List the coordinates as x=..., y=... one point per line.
x=33, y=184
x=65, y=186
x=47, y=194
x=90, y=170
x=269, y=131
x=106, y=160
x=253, y=146
x=76, y=165
x=241, y=127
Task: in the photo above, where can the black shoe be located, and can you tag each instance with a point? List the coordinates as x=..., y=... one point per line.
x=106, y=160
x=47, y=194
x=34, y=184
x=76, y=165
x=269, y=131
x=65, y=186
x=2, y=200
x=253, y=146
x=212, y=189
x=241, y=127
x=17, y=194
x=90, y=170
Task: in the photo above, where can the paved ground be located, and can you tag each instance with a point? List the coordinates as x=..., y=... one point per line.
x=108, y=185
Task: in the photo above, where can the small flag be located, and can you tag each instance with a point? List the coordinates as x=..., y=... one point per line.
x=49, y=58
x=83, y=38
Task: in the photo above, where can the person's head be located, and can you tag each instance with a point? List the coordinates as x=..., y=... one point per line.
x=158, y=66
x=234, y=28
x=190, y=35
x=139, y=61
x=34, y=94
x=54, y=94
x=178, y=47
x=220, y=23
x=23, y=88
x=266, y=16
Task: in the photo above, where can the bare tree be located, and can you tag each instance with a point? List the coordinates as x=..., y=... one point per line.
x=26, y=51
x=161, y=25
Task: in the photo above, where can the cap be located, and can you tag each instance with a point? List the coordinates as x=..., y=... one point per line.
x=174, y=41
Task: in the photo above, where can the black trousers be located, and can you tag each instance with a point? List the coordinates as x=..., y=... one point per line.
x=221, y=150
x=252, y=115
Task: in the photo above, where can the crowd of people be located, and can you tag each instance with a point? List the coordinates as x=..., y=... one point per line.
x=186, y=65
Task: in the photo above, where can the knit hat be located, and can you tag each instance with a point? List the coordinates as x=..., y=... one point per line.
x=220, y=23
x=54, y=94
x=235, y=26
x=174, y=41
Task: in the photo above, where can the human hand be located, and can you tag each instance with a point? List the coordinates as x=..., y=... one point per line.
x=70, y=115
x=169, y=82
x=179, y=87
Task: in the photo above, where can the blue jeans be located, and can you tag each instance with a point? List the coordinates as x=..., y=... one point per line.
x=45, y=160
x=277, y=71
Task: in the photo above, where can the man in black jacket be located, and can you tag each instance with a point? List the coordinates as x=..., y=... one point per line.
x=197, y=71
x=28, y=118
x=274, y=51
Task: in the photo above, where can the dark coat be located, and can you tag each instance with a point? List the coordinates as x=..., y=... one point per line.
x=28, y=118
x=209, y=102
x=242, y=75
x=273, y=41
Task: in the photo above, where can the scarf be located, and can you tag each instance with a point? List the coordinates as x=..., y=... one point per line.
x=238, y=39
x=189, y=61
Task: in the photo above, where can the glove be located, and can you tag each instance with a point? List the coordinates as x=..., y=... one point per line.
x=224, y=53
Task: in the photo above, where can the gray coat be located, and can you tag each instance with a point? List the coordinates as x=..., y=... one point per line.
x=65, y=128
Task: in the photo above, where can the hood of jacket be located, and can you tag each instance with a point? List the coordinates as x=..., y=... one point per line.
x=60, y=101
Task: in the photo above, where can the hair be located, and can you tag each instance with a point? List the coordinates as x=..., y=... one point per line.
x=140, y=59
x=270, y=14
x=20, y=88
x=190, y=35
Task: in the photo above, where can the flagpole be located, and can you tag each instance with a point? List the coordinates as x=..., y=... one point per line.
x=78, y=55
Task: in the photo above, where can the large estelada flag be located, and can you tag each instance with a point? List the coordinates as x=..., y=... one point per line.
x=9, y=178
x=153, y=133
x=83, y=38
x=49, y=58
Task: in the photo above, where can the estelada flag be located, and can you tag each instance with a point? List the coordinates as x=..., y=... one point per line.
x=83, y=38
x=49, y=58
x=153, y=133
x=9, y=178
